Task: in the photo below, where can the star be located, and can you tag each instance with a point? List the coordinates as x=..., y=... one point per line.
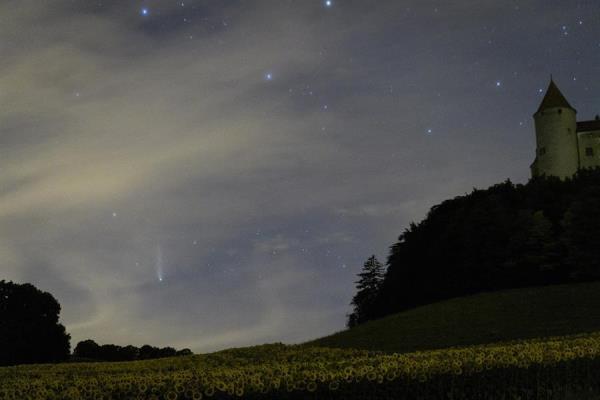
x=269, y=76
x=328, y=3
x=145, y=11
x=498, y=83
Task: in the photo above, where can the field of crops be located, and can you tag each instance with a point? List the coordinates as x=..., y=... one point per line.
x=555, y=368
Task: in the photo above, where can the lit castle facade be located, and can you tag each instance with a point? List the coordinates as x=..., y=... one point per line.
x=563, y=145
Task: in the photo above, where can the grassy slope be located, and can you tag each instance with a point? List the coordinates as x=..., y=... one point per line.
x=483, y=318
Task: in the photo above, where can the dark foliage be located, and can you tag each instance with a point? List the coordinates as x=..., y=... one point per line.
x=29, y=327
x=90, y=350
x=367, y=287
x=507, y=236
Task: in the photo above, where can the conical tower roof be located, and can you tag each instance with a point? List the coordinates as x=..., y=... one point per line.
x=554, y=98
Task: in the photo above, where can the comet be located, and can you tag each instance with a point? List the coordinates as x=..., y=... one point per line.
x=160, y=274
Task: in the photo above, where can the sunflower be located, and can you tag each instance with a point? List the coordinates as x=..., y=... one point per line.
x=171, y=395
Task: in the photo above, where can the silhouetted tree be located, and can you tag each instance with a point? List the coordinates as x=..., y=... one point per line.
x=148, y=352
x=129, y=353
x=110, y=352
x=368, y=286
x=184, y=352
x=167, y=352
x=29, y=327
x=87, y=349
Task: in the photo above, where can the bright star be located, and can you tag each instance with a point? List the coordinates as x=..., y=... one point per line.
x=429, y=130
x=145, y=11
x=328, y=3
x=269, y=76
x=498, y=84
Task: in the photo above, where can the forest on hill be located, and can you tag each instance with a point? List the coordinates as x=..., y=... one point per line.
x=507, y=236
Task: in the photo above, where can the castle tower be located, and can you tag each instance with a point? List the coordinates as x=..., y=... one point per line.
x=557, y=149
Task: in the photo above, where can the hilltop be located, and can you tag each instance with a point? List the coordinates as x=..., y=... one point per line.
x=509, y=236
x=478, y=319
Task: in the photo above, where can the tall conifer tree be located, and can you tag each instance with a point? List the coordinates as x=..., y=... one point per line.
x=367, y=287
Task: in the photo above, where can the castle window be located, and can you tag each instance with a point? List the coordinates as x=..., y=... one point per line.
x=560, y=110
x=589, y=151
x=542, y=151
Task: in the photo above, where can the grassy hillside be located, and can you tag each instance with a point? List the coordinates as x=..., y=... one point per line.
x=483, y=318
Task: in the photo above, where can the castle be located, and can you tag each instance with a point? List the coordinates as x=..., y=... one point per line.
x=563, y=145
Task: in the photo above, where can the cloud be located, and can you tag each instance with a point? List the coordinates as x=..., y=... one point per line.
x=109, y=150
x=120, y=134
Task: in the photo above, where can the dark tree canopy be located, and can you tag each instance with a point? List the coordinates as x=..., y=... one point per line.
x=367, y=287
x=29, y=328
x=582, y=235
x=87, y=349
x=90, y=350
x=544, y=232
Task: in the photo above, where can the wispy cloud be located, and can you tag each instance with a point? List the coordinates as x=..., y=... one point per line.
x=120, y=133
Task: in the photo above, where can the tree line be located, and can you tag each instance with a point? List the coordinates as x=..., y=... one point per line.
x=90, y=350
x=30, y=332
x=507, y=236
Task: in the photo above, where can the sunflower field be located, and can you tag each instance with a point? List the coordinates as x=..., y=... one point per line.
x=555, y=368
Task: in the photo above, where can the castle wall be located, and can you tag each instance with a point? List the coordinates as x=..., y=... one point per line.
x=589, y=149
x=556, y=138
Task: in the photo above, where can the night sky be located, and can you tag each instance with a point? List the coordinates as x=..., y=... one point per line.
x=208, y=174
